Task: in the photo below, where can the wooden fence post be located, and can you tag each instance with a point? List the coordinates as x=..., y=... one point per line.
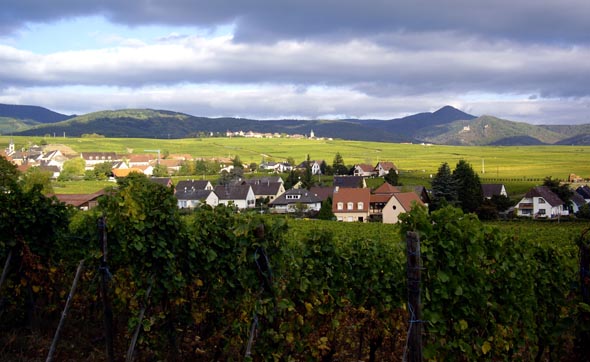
x=414, y=343
x=105, y=275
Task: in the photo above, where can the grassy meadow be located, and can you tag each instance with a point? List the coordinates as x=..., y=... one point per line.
x=506, y=164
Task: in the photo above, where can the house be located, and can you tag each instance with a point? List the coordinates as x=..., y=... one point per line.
x=266, y=188
x=194, y=185
x=364, y=170
x=164, y=181
x=576, y=202
x=350, y=181
x=323, y=192
x=295, y=200
x=94, y=158
x=240, y=195
x=191, y=198
x=399, y=203
x=351, y=204
x=386, y=188
x=172, y=165
x=316, y=166
x=490, y=190
x=52, y=158
x=540, y=201
x=54, y=171
x=140, y=160
x=81, y=201
x=382, y=168
x=585, y=192
x=124, y=172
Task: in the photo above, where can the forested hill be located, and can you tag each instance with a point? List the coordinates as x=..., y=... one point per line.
x=447, y=125
x=31, y=113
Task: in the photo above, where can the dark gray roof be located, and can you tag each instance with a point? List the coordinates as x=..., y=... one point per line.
x=164, y=181
x=254, y=181
x=304, y=197
x=323, y=192
x=191, y=194
x=546, y=193
x=348, y=181
x=584, y=191
x=232, y=192
x=578, y=199
x=490, y=190
x=266, y=188
x=191, y=184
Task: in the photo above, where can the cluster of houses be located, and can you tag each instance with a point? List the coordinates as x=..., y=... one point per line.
x=541, y=202
x=351, y=199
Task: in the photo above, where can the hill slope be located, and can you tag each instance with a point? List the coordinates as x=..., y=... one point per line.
x=488, y=130
x=445, y=126
x=145, y=123
x=31, y=113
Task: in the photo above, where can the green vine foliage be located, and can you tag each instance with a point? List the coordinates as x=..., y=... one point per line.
x=487, y=295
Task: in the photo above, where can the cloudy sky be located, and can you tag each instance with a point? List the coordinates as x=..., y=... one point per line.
x=525, y=60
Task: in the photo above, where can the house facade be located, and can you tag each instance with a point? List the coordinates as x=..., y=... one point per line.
x=351, y=204
x=398, y=204
x=295, y=200
x=191, y=198
x=382, y=168
x=240, y=195
x=540, y=202
x=364, y=170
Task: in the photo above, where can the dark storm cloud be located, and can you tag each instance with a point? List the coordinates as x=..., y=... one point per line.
x=562, y=22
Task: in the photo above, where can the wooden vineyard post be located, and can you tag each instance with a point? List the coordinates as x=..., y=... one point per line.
x=65, y=312
x=414, y=343
x=105, y=275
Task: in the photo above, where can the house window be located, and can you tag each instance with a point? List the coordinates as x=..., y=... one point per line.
x=340, y=206
x=350, y=219
x=360, y=205
x=350, y=206
x=541, y=211
x=541, y=200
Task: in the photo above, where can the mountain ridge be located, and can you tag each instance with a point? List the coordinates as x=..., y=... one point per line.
x=446, y=125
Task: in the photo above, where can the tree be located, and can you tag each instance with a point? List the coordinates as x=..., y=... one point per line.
x=34, y=176
x=392, y=177
x=562, y=190
x=8, y=174
x=72, y=168
x=325, y=212
x=253, y=166
x=160, y=171
x=469, y=192
x=444, y=187
x=292, y=179
x=103, y=170
x=338, y=166
x=237, y=163
x=306, y=180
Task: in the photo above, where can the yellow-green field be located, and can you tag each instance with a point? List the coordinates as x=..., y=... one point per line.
x=415, y=161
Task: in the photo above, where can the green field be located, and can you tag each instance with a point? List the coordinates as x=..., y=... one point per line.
x=509, y=165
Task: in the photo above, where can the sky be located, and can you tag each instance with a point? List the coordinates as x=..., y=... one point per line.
x=525, y=60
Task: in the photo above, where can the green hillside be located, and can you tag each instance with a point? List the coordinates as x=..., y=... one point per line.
x=11, y=125
x=487, y=130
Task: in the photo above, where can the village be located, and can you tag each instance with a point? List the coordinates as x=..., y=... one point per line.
x=349, y=199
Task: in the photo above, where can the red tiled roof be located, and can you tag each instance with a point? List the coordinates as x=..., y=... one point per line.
x=354, y=195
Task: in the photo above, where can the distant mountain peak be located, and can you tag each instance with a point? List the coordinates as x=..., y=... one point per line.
x=452, y=113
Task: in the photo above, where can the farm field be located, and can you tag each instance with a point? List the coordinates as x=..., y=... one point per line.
x=416, y=162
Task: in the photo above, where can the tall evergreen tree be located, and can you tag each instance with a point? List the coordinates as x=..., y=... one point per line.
x=444, y=187
x=469, y=192
x=338, y=165
x=392, y=177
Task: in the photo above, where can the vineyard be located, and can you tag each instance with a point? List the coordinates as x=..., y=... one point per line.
x=217, y=285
